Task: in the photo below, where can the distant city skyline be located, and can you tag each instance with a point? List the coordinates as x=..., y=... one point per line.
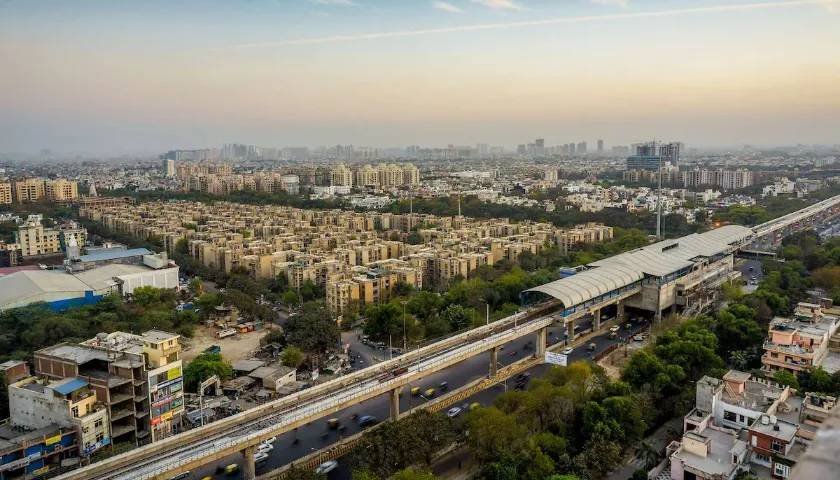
x=117, y=77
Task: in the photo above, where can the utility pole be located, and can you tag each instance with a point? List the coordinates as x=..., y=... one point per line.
x=659, y=198
x=405, y=348
x=488, y=313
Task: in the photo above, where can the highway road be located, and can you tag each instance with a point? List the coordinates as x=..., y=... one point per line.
x=316, y=435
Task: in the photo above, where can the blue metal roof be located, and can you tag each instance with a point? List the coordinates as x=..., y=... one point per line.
x=70, y=386
x=114, y=254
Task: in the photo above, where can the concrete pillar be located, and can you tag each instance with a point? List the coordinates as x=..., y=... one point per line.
x=249, y=468
x=494, y=361
x=619, y=313
x=596, y=320
x=570, y=330
x=542, y=341
x=395, y=404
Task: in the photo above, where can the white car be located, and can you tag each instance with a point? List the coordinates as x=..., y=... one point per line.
x=453, y=412
x=265, y=447
x=326, y=467
x=614, y=328
x=260, y=457
x=568, y=350
x=270, y=440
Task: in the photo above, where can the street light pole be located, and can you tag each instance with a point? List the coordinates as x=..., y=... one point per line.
x=405, y=347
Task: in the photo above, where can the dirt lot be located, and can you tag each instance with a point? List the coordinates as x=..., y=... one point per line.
x=614, y=362
x=234, y=348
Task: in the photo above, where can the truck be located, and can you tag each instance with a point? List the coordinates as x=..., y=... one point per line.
x=228, y=332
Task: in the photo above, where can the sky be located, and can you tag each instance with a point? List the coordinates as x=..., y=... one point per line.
x=148, y=76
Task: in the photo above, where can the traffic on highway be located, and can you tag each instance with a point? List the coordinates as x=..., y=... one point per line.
x=293, y=445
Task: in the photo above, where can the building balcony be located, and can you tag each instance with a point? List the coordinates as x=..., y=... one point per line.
x=119, y=430
x=119, y=398
x=120, y=414
x=767, y=360
x=792, y=349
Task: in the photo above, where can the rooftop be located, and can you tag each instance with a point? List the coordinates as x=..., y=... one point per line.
x=657, y=260
x=718, y=461
x=113, y=254
x=158, y=336
x=78, y=354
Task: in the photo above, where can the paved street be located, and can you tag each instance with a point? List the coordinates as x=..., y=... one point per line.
x=751, y=273
x=316, y=435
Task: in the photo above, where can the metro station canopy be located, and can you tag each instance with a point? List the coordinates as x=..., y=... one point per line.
x=657, y=260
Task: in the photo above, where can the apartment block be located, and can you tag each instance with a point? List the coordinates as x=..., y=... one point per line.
x=802, y=342
x=743, y=424
x=60, y=190
x=6, y=196
x=34, y=239
x=138, y=378
x=29, y=190
x=69, y=403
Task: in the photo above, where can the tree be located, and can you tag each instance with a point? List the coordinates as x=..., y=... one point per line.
x=412, y=474
x=383, y=320
x=203, y=367
x=289, y=298
x=494, y=434
x=295, y=473
x=646, y=452
x=784, y=377
x=197, y=286
x=292, y=356
x=456, y=316
x=313, y=329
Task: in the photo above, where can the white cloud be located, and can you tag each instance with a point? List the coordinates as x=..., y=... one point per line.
x=346, y=3
x=716, y=9
x=499, y=4
x=615, y=3
x=446, y=7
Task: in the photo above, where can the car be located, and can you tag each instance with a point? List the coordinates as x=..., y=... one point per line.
x=326, y=467
x=444, y=386
x=429, y=393
x=614, y=328
x=270, y=440
x=453, y=412
x=181, y=476
x=260, y=457
x=415, y=391
x=265, y=447
x=591, y=347
x=568, y=350
x=639, y=338
x=367, y=421
x=523, y=378
x=475, y=405
x=333, y=423
x=232, y=469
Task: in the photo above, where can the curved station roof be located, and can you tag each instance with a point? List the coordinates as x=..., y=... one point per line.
x=655, y=260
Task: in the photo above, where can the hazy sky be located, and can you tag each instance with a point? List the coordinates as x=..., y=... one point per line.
x=128, y=76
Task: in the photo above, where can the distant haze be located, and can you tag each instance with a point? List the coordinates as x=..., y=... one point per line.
x=113, y=77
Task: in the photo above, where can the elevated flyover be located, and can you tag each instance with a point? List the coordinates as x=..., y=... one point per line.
x=771, y=233
x=242, y=432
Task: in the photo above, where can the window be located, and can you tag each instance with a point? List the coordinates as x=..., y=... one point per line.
x=730, y=416
x=778, y=446
x=781, y=470
x=100, y=436
x=97, y=423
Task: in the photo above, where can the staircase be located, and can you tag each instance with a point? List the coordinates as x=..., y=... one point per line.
x=834, y=342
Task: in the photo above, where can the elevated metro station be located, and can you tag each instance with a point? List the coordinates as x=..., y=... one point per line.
x=677, y=274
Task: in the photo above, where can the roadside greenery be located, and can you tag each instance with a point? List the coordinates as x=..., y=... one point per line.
x=26, y=329
x=203, y=367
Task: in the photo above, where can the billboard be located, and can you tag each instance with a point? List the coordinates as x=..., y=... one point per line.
x=556, y=359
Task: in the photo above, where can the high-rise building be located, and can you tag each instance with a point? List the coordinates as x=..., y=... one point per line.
x=643, y=162
x=539, y=146
x=600, y=146
x=61, y=190
x=168, y=167
x=670, y=152
x=341, y=176
x=29, y=190
x=6, y=196
x=581, y=148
